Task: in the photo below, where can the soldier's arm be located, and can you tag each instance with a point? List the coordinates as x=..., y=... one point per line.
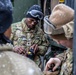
x=14, y=28
x=44, y=45
x=62, y=56
x=13, y=31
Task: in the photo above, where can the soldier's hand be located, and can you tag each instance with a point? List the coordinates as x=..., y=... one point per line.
x=19, y=49
x=54, y=61
x=35, y=48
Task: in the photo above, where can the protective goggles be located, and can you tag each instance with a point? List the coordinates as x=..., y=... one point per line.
x=36, y=14
x=49, y=28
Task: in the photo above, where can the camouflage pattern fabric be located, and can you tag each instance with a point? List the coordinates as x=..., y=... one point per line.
x=68, y=29
x=23, y=36
x=66, y=66
x=67, y=62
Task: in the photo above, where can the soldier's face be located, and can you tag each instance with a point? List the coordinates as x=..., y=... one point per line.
x=60, y=39
x=8, y=32
x=31, y=23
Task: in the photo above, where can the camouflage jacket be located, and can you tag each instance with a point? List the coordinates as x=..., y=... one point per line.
x=67, y=62
x=23, y=36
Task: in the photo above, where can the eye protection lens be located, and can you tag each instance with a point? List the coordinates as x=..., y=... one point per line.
x=36, y=14
x=49, y=28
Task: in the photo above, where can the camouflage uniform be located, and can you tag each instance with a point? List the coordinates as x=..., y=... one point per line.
x=67, y=62
x=67, y=56
x=23, y=36
x=64, y=32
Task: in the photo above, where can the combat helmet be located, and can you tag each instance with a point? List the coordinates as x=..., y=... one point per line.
x=60, y=21
x=5, y=15
x=14, y=64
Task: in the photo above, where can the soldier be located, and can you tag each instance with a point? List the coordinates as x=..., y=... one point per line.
x=5, y=21
x=12, y=63
x=28, y=38
x=60, y=26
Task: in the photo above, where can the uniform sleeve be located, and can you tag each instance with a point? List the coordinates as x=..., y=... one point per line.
x=62, y=56
x=14, y=28
x=44, y=44
x=65, y=55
